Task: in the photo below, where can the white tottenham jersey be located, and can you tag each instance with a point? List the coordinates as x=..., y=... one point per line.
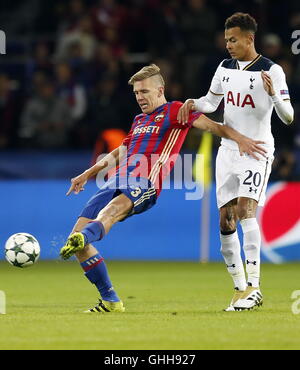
x=247, y=106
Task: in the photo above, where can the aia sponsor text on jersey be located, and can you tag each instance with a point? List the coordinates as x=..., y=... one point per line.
x=239, y=100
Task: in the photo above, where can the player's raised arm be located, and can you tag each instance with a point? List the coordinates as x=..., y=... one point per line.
x=206, y=104
x=246, y=145
x=184, y=111
x=111, y=160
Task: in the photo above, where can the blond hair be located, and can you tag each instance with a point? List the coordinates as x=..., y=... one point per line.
x=146, y=72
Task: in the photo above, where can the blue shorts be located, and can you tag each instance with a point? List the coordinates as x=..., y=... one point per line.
x=142, y=195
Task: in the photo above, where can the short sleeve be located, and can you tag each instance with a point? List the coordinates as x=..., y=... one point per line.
x=174, y=108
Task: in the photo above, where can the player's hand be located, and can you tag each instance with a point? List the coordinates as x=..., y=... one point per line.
x=77, y=184
x=251, y=147
x=184, y=111
x=267, y=82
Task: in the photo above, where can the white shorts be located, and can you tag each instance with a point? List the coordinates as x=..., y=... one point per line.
x=241, y=176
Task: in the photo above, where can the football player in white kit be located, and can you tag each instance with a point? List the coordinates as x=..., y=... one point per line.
x=251, y=86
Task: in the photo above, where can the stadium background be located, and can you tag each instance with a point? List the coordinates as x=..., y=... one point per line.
x=64, y=100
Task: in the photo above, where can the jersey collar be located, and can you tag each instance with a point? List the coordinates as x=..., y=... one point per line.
x=158, y=109
x=250, y=64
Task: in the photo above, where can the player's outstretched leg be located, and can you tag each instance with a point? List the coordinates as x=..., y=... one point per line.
x=116, y=210
x=96, y=272
x=87, y=231
x=76, y=242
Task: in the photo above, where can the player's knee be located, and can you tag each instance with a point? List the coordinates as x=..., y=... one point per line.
x=111, y=212
x=242, y=213
x=227, y=224
x=246, y=209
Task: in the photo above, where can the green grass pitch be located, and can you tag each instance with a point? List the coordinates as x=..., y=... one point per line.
x=175, y=306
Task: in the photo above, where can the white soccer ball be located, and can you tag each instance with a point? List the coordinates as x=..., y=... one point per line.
x=22, y=250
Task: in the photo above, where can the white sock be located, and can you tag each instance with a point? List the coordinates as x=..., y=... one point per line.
x=252, y=242
x=231, y=251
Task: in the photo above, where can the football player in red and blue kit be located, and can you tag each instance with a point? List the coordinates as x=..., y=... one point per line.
x=144, y=159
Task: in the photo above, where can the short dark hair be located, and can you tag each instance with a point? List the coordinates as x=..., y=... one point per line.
x=242, y=20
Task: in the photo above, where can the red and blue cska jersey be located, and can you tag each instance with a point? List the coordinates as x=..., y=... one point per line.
x=154, y=143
